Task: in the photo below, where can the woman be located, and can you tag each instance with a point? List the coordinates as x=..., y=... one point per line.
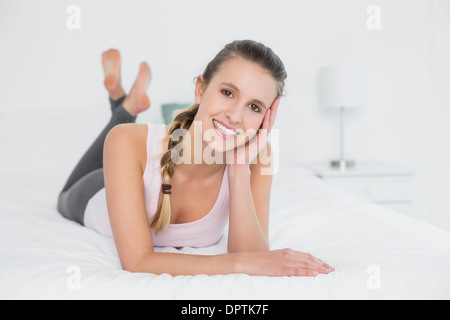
x=144, y=196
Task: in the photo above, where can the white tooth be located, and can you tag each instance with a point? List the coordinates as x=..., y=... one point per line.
x=224, y=130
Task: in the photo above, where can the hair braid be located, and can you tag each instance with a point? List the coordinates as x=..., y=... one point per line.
x=183, y=120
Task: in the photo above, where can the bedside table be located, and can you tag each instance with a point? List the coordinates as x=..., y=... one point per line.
x=383, y=183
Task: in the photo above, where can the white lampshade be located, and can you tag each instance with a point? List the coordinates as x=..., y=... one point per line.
x=342, y=87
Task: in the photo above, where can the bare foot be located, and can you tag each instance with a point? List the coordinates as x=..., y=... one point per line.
x=111, y=69
x=137, y=100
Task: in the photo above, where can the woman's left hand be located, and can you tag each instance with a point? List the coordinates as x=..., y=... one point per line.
x=245, y=154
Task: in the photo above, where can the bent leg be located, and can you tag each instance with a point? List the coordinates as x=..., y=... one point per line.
x=124, y=110
x=72, y=203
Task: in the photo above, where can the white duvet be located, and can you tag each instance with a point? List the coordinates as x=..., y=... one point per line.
x=377, y=253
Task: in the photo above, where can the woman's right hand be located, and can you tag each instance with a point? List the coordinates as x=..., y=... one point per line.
x=285, y=262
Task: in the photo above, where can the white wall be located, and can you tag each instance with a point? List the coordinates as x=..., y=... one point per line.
x=440, y=128
x=43, y=64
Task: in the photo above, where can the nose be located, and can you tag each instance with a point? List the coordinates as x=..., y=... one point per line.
x=234, y=114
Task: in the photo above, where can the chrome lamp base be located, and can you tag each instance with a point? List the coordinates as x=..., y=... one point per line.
x=343, y=165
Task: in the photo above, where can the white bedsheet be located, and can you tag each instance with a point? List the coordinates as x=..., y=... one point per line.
x=377, y=253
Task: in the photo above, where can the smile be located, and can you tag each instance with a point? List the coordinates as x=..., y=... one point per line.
x=226, y=132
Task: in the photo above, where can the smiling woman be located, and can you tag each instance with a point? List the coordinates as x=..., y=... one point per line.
x=148, y=199
x=235, y=105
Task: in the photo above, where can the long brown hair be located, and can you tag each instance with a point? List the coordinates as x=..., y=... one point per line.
x=249, y=50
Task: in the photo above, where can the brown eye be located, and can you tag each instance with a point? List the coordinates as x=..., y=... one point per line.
x=255, y=108
x=227, y=93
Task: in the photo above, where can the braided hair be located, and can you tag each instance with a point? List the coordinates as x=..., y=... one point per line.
x=182, y=120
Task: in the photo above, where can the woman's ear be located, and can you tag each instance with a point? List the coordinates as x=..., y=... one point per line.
x=199, y=89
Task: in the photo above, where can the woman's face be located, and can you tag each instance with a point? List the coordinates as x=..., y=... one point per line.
x=233, y=105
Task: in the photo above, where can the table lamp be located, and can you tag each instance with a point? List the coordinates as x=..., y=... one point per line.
x=342, y=87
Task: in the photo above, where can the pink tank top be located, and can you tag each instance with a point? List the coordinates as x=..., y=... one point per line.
x=200, y=233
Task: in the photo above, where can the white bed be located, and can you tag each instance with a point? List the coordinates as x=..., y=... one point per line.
x=377, y=253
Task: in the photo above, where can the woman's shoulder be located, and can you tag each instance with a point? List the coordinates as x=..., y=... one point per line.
x=132, y=137
x=137, y=137
x=133, y=132
x=140, y=131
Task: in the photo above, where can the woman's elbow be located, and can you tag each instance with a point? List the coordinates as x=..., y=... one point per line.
x=142, y=265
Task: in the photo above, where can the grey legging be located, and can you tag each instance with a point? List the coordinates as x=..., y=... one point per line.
x=87, y=177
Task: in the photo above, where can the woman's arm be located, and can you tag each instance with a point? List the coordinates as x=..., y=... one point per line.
x=250, y=182
x=249, y=206
x=285, y=262
x=248, y=234
x=123, y=163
